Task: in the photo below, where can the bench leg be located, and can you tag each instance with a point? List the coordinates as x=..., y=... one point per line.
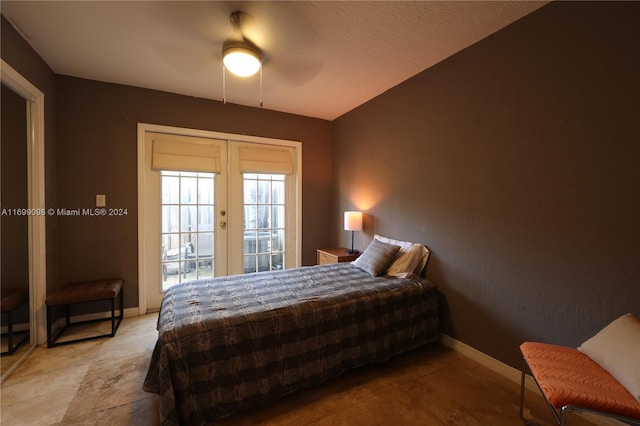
x=522, y=379
x=13, y=343
x=51, y=337
x=49, y=326
x=522, y=391
x=114, y=326
x=113, y=317
x=10, y=332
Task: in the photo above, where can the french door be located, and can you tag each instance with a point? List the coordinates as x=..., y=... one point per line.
x=212, y=207
x=189, y=203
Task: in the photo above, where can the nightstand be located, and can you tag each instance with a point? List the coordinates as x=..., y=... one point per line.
x=334, y=255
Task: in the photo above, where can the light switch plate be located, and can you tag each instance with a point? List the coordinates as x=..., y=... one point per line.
x=101, y=200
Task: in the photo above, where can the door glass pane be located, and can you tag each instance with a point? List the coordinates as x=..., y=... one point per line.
x=205, y=218
x=277, y=216
x=264, y=192
x=250, y=217
x=187, y=231
x=170, y=189
x=277, y=192
x=205, y=245
x=250, y=191
x=250, y=243
x=205, y=191
x=189, y=217
x=264, y=219
x=277, y=261
x=188, y=190
x=170, y=218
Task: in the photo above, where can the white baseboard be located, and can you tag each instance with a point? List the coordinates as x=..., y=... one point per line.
x=512, y=374
x=491, y=363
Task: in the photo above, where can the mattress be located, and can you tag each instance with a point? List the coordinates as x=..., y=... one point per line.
x=232, y=343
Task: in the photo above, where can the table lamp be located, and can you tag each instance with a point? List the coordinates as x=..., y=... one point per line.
x=352, y=222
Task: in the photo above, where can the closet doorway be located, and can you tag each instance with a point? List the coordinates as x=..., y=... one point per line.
x=30, y=258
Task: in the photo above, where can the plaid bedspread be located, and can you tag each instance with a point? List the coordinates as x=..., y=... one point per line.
x=231, y=343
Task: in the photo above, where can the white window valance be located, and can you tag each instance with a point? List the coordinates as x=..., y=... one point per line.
x=185, y=155
x=261, y=159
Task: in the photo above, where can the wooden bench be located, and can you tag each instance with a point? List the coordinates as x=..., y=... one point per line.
x=83, y=292
x=12, y=299
x=571, y=381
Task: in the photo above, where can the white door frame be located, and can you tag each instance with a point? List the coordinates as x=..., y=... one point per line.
x=143, y=128
x=36, y=197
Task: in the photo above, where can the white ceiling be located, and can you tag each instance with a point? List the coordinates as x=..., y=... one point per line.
x=321, y=58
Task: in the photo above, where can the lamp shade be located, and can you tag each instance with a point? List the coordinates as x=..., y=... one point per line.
x=241, y=59
x=352, y=221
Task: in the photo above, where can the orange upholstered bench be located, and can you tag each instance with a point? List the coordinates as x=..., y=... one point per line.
x=83, y=292
x=571, y=381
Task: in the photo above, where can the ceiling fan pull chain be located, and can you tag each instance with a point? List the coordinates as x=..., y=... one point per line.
x=224, y=85
x=260, y=87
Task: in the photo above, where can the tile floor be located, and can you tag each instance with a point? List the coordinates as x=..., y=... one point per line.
x=99, y=382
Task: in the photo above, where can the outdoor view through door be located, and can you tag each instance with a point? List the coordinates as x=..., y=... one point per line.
x=187, y=233
x=264, y=222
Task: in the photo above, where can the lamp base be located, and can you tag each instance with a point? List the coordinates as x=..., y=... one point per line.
x=353, y=251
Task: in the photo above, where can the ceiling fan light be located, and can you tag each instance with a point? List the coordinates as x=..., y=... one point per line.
x=242, y=60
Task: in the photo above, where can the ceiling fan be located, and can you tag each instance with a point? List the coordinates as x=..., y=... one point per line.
x=276, y=36
x=239, y=54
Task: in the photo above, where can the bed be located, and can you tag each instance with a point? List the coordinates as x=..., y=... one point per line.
x=232, y=343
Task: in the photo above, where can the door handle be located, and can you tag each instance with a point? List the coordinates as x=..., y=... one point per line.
x=223, y=224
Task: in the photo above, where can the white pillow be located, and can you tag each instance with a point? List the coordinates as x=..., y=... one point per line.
x=616, y=348
x=411, y=257
x=424, y=257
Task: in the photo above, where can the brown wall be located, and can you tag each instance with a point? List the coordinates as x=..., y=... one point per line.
x=97, y=143
x=517, y=161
